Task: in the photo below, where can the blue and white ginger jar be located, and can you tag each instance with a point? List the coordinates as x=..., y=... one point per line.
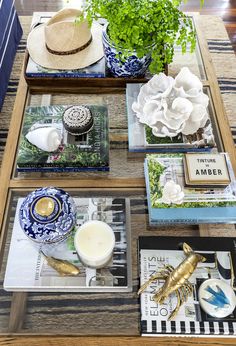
x=131, y=67
x=47, y=215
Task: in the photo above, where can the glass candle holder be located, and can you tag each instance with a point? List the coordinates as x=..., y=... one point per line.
x=94, y=242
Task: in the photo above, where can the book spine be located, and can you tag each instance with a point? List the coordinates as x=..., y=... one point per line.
x=192, y=215
x=170, y=150
x=63, y=169
x=61, y=75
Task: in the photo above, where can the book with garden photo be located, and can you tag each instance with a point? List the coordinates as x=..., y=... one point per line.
x=87, y=152
x=170, y=200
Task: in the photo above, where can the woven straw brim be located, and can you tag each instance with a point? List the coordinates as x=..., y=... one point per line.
x=41, y=56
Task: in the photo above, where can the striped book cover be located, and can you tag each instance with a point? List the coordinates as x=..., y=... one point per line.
x=191, y=320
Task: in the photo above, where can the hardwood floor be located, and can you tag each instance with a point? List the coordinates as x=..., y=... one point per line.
x=226, y=9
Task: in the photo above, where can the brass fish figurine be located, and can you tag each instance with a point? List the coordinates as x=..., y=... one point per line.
x=63, y=267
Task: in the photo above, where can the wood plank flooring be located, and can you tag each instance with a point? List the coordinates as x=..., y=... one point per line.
x=226, y=9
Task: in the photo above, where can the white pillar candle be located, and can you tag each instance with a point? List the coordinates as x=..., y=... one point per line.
x=94, y=242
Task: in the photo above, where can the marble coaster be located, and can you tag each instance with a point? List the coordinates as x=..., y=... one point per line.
x=217, y=298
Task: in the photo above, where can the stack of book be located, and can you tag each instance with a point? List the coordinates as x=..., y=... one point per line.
x=209, y=188
x=75, y=153
x=141, y=138
x=96, y=70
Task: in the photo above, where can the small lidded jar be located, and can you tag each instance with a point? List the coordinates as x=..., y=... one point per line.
x=47, y=215
x=78, y=120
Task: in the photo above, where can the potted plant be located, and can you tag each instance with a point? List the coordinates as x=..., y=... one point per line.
x=141, y=32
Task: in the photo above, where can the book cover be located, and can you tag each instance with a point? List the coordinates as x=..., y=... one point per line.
x=206, y=205
x=191, y=320
x=206, y=169
x=96, y=70
x=27, y=269
x=141, y=139
x=75, y=153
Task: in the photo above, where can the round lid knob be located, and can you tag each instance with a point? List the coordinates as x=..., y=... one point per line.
x=44, y=206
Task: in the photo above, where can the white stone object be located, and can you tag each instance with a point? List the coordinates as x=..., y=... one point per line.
x=172, y=193
x=45, y=138
x=217, y=298
x=172, y=106
x=94, y=242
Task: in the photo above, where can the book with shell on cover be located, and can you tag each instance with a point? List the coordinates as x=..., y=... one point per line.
x=86, y=152
x=191, y=320
x=198, y=205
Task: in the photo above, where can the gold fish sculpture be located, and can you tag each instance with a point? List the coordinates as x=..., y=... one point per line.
x=176, y=279
x=63, y=267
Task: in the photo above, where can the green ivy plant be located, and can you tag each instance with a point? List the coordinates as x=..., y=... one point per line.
x=145, y=25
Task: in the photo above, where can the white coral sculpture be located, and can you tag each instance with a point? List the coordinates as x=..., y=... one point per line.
x=172, y=193
x=172, y=106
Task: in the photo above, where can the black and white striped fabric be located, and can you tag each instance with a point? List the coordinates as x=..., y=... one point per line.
x=10, y=34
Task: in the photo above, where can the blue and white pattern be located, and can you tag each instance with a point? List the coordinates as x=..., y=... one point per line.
x=54, y=227
x=131, y=67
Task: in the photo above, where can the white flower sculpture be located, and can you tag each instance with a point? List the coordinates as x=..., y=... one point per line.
x=172, y=193
x=170, y=106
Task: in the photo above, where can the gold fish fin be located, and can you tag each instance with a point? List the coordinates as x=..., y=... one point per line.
x=187, y=249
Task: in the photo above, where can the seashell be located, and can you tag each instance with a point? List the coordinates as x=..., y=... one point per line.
x=172, y=193
x=45, y=138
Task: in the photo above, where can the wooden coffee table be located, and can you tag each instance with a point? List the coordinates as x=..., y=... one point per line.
x=96, y=318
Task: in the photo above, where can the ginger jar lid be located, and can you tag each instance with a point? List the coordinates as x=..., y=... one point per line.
x=47, y=215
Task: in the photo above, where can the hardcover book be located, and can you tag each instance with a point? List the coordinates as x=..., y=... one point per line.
x=141, y=139
x=191, y=320
x=199, y=205
x=96, y=70
x=75, y=153
x=28, y=270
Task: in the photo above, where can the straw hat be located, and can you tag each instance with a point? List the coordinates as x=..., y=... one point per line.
x=65, y=45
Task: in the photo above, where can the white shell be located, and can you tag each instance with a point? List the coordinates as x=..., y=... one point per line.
x=170, y=106
x=172, y=193
x=45, y=138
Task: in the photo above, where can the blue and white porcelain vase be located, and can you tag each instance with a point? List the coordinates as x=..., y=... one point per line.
x=47, y=215
x=131, y=67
